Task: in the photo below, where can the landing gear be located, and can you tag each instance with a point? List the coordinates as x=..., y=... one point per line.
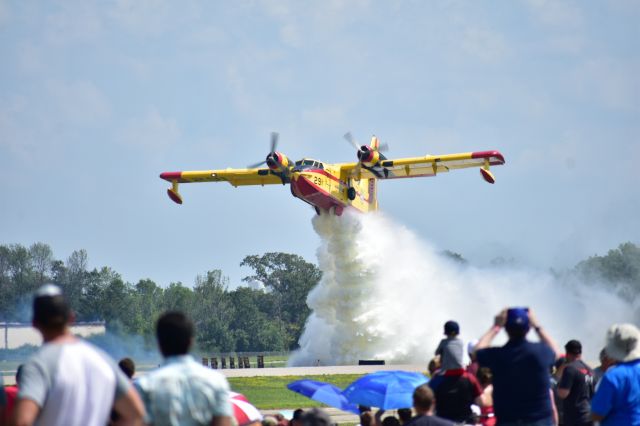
x=351, y=193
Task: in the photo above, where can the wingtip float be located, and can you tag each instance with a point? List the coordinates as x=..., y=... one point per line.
x=334, y=187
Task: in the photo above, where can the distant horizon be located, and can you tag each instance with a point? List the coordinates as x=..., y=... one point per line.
x=516, y=264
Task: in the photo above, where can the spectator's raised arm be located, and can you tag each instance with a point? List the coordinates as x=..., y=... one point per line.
x=543, y=335
x=487, y=338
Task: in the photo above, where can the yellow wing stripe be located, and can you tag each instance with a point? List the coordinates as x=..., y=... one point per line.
x=236, y=177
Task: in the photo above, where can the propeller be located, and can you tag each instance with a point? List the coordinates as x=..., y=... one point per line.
x=274, y=141
x=274, y=145
x=349, y=137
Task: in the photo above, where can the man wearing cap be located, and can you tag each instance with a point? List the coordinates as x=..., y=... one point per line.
x=575, y=386
x=520, y=368
x=617, y=399
x=69, y=382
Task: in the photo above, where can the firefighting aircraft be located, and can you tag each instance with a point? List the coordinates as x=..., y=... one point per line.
x=334, y=187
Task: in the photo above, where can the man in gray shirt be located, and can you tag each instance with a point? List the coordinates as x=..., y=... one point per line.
x=69, y=382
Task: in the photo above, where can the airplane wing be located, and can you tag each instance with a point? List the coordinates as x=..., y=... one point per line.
x=429, y=165
x=236, y=177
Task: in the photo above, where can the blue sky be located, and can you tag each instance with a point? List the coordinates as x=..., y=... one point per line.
x=98, y=98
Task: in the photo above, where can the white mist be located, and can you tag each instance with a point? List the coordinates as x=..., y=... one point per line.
x=385, y=294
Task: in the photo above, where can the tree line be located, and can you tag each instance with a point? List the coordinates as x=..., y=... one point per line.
x=243, y=319
x=239, y=320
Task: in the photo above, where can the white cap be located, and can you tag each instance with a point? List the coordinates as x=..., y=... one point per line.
x=49, y=290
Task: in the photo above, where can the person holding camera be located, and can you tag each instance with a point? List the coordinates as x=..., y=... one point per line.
x=520, y=368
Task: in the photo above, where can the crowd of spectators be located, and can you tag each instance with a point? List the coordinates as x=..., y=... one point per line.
x=69, y=382
x=526, y=383
x=533, y=383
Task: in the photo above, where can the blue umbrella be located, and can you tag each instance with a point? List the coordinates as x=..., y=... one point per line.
x=323, y=392
x=390, y=389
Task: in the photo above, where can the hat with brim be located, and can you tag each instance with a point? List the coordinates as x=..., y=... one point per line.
x=623, y=342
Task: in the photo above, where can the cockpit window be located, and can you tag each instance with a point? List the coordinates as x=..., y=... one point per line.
x=306, y=164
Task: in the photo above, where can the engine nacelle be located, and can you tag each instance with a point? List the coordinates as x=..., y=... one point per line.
x=277, y=161
x=368, y=156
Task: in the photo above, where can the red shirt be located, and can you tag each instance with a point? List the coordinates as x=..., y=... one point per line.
x=12, y=394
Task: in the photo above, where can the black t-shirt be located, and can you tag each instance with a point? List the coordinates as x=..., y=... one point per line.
x=520, y=379
x=578, y=378
x=422, y=420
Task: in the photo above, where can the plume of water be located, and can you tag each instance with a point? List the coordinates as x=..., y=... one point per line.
x=385, y=294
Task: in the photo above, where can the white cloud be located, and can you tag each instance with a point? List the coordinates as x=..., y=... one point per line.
x=572, y=44
x=329, y=116
x=5, y=13
x=30, y=57
x=78, y=102
x=75, y=22
x=489, y=46
x=610, y=82
x=16, y=139
x=152, y=17
x=561, y=14
x=207, y=35
x=151, y=132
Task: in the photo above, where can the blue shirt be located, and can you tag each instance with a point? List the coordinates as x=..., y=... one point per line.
x=181, y=392
x=520, y=379
x=617, y=397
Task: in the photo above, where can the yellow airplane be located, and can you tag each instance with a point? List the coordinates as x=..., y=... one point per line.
x=334, y=187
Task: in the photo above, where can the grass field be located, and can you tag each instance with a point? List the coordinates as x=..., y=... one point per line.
x=271, y=392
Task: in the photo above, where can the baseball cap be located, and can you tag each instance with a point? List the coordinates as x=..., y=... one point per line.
x=451, y=327
x=573, y=347
x=517, y=319
x=50, y=309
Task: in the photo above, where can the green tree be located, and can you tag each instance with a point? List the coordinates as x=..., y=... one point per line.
x=255, y=328
x=290, y=278
x=73, y=281
x=94, y=305
x=212, y=312
x=456, y=257
x=145, y=304
x=176, y=297
x=620, y=266
x=117, y=306
x=41, y=261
